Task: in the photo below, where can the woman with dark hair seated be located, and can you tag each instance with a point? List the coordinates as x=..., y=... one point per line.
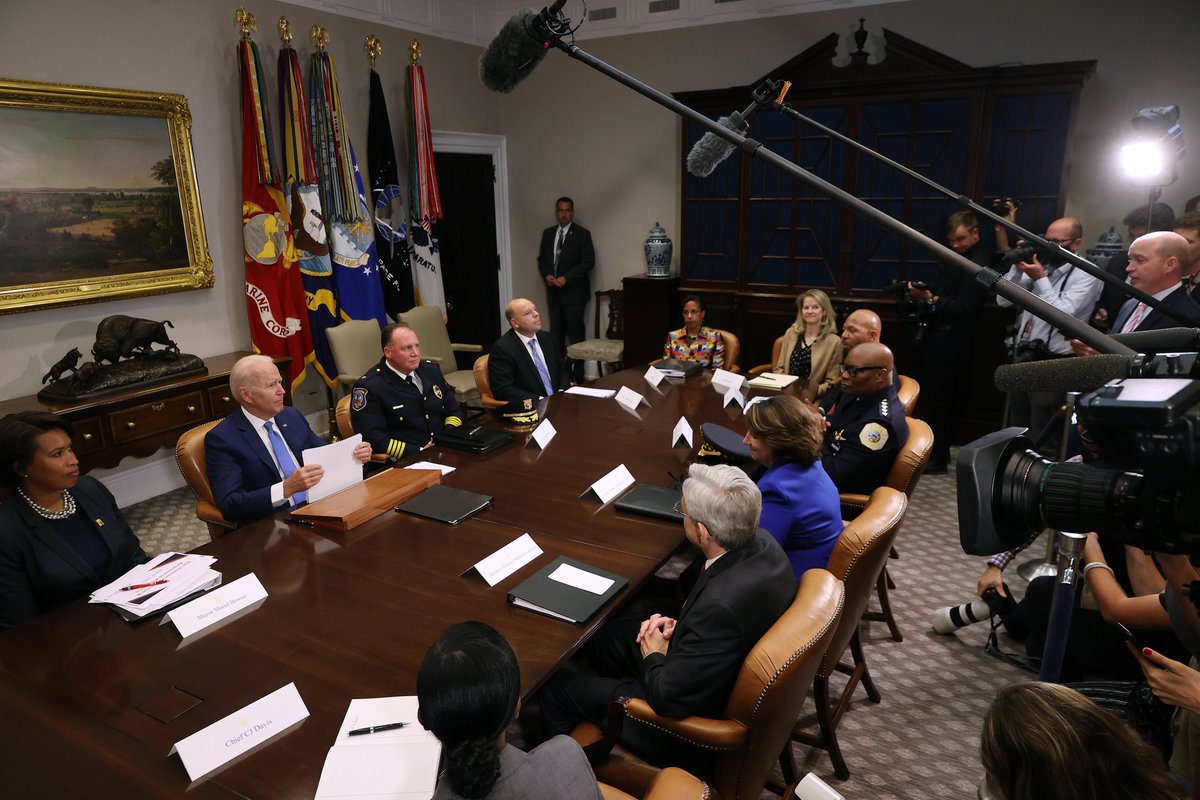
x=812, y=347
x=468, y=690
x=61, y=535
x=800, y=505
x=694, y=341
x=1045, y=740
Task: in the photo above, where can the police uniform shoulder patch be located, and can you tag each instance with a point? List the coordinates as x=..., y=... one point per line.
x=873, y=436
x=358, y=399
x=437, y=391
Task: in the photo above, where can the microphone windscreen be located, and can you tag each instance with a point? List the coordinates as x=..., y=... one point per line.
x=1079, y=374
x=512, y=54
x=1171, y=339
x=711, y=150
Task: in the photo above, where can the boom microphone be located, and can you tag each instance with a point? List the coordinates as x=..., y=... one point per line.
x=1082, y=374
x=1173, y=339
x=707, y=153
x=519, y=47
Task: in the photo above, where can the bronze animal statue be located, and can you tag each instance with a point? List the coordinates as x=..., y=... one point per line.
x=67, y=362
x=120, y=337
x=84, y=375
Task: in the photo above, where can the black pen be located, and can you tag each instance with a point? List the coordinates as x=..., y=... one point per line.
x=391, y=726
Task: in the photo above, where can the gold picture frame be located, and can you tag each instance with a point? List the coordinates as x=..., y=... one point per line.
x=98, y=200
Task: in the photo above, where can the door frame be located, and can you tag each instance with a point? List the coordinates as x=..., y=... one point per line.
x=495, y=146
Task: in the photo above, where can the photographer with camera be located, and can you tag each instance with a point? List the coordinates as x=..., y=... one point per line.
x=1046, y=273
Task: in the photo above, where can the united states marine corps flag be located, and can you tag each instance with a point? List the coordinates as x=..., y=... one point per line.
x=274, y=293
x=426, y=203
x=391, y=242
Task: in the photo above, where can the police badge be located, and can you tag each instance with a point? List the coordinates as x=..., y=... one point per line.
x=358, y=399
x=437, y=391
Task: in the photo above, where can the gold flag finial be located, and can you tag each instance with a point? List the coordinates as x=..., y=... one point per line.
x=320, y=36
x=414, y=51
x=285, y=32
x=373, y=47
x=246, y=22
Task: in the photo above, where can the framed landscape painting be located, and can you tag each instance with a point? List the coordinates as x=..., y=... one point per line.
x=98, y=196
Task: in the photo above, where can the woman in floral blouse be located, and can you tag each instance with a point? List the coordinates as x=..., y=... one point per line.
x=695, y=342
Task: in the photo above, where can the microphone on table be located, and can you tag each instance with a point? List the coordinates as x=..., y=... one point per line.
x=519, y=47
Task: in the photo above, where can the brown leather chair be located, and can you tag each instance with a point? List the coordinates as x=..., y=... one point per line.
x=762, y=709
x=670, y=784
x=189, y=455
x=857, y=560
x=484, y=383
x=733, y=348
x=775, y=350
x=908, y=393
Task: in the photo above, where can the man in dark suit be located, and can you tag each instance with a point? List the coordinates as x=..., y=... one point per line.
x=687, y=666
x=254, y=457
x=1188, y=226
x=565, y=259
x=525, y=363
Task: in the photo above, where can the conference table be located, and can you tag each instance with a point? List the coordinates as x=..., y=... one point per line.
x=93, y=704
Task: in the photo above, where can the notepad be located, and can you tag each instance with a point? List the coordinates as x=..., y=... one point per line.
x=773, y=381
x=397, y=764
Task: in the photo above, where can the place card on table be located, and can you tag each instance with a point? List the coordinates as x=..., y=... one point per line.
x=211, y=608
x=629, y=399
x=734, y=397
x=654, y=376
x=612, y=484
x=682, y=432
x=723, y=380
x=542, y=434
x=508, y=559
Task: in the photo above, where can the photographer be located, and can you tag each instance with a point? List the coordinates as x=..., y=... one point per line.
x=1071, y=290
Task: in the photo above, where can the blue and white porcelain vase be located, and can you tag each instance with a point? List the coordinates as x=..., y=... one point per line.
x=658, y=250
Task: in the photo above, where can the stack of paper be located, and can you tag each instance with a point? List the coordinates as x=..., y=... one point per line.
x=398, y=763
x=160, y=582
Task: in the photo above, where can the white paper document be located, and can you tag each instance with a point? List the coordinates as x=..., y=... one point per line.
x=682, y=431
x=341, y=469
x=586, y=392
x=612, y=484
x=654, y=376
x=165, y=579
x=211, y=608
x=398, y=764
x=227, y=738
x=445, y=470
x=543, y=433
x=508, y=559
x=723, y=380
x=629, y=399
x=581, y=579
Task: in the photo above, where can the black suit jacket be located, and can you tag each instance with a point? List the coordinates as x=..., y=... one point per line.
x=513, y=374
x=734, y=602
x=1156, y=320
x=39, y=570
x=575, y=262
x=241, y=469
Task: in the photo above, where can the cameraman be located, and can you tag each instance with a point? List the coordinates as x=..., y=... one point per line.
x=1068, y=289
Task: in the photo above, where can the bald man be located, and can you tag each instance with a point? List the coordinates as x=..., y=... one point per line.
x=525, y=362
x=867, y=426
x=861, y=326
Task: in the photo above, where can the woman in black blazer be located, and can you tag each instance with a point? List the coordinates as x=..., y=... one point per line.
x=61, y=535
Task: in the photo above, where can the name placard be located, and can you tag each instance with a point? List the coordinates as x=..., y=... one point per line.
x=654, y=376
x=215, y=606
x=629, y=399
x=723, y=380
x=508, y=559
x=612, y=484
x=228, y=738
x=734, y=397
x=543, y=433
x=682, y=432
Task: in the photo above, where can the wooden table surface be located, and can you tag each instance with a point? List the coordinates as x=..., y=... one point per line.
x=347, y=615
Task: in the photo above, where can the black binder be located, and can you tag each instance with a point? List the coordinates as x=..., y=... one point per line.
x=652, y=501
x=480, y=440
x=674, y=368
x=540, y=593
x=445, y=504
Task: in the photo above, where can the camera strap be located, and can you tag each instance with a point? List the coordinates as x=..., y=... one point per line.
x=992, y=648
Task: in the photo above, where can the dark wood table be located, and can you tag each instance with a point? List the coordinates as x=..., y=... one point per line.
x=348, y=615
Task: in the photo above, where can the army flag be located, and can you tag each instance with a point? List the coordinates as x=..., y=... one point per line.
x=274, y=292
x=426, y=203
x=351, y=226
x=307, y=221
x=391, y=237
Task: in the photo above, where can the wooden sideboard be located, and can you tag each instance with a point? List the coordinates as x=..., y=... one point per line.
x=139, y=421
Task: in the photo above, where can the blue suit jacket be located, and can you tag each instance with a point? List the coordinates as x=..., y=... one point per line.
x=240, y=468
x=802, y=510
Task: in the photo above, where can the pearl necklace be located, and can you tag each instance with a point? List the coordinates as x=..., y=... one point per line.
x=67, y=510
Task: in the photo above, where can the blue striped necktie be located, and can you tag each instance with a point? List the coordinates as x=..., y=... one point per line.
x=541, y=366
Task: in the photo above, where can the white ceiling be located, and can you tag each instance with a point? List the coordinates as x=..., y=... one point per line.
x=477, y=21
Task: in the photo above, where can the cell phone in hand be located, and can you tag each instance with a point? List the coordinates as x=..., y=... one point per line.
x=1128, y=636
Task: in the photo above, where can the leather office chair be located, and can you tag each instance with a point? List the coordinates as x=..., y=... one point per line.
x=762, y=708
x=733, y=348
x=189, y=455
x=484, y=382
x=857, y=560
x=355, y=346
x=908, y=392
x=611, y=348
x=670, y=784
x=761, y=368
x=903, y=476
x=427, y=323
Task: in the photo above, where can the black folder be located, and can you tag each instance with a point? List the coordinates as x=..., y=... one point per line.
x=674, y=368
x=652, y=501
x=446, y=504
x=479, y=440
x=540, y=593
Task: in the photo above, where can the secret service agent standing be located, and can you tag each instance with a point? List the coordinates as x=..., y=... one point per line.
x=867, y=425
x=402, y=401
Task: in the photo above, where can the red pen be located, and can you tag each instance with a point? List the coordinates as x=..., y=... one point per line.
x=141, y=586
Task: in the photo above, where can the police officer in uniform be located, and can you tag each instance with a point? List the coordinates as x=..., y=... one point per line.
x=402, y=402
x=867, y=426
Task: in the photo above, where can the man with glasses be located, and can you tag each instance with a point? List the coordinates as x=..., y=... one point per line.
x=1068, y=289
x=867, y=426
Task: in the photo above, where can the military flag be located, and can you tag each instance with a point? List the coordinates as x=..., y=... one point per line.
x=307, y=220
x=274, y=291
x=426, y=204
x=391, y=232
x=351, y=227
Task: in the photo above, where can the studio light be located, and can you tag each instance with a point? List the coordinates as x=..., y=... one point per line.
x=1151, y=160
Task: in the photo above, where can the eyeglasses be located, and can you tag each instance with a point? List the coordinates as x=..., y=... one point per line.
x=853, y=371
x=1060, y=242
x=678, y=508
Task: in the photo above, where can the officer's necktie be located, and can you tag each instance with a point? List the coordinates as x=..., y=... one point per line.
x=541, y=366
x=286, y=463
x=558, y=249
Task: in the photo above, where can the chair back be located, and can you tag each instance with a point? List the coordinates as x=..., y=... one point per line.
x=908, y=393
x=857, y=559
x=483, y=382
x=773, y=683
x=616, y=317
x=189, y=455
x=911, y=460
x=733, y=347
x=355, y=346
x=344, y=425
x=427, y=324
x=775, y=350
